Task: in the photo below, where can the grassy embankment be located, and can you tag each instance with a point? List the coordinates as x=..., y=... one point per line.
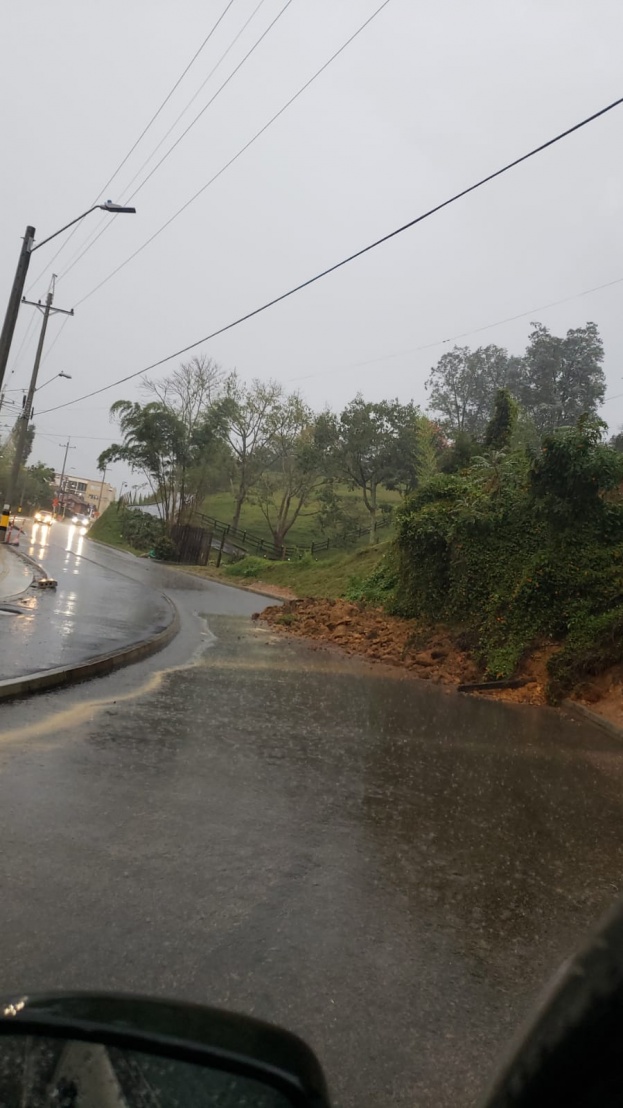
x=328, y=575
x=306, y=529
x=107, y=529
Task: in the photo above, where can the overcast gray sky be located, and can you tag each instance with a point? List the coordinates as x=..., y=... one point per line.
x=427, y=99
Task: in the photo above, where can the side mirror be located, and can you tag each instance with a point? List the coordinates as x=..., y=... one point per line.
x=109, y=1051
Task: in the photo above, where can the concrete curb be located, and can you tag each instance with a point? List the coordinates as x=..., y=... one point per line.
x=30, y=561
x=94, y=667
x=228, y=584
x=584, y=714
x=32, y=565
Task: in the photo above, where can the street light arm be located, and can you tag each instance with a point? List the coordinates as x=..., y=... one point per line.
x=61, y=374
x=65, y=228
x=107, y=207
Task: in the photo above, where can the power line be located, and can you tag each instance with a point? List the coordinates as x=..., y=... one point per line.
x=27, y=336
x=168, y=96
x=140, y=137
x=281, y=12
x=462, y=334
x=55, y=339
x=195, y=94
x=351, y=257
x=105, y=223
x=240, y=152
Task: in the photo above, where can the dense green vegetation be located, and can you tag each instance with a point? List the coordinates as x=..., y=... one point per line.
x=260, y=459
x=508, y=510
x=129, y=529
x=519, y=549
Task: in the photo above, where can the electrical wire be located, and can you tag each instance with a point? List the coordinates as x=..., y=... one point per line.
x=139, y=139
x=351, y=257
x=106, y=223
x=461, y=334
x=281, y=12
x=190, y=126
x=27, y=337
x=239, y=153
x=55, y=339
x=168, y=96
x=195, y=95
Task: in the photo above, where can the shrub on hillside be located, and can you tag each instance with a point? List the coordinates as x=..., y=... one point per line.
x=521, y=549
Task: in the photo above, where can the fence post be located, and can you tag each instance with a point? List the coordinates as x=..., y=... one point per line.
x=220, y=551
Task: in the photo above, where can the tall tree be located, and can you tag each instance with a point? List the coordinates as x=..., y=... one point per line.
x=193, y=393
x=251, y=418
x=376, y=448
x=191, y=390
x=463, y=386
x=154, y=444
x=35, y=486
x=560, y=379
x=430, y=445
x=500, y=428
x=296, y=469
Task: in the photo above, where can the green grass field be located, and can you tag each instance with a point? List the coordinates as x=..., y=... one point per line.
x=329, y=576
x=304, y=532
x=106, y=529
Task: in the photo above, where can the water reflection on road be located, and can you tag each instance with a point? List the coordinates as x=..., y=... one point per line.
x=387, y=869
x=94, y=609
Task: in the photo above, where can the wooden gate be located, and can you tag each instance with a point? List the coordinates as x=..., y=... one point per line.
x=193, y=544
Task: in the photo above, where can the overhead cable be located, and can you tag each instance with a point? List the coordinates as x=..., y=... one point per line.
x=239, y=153
x=351, y=257
x=139, y=139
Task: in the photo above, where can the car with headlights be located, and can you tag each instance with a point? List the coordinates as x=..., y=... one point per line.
x=44, y=517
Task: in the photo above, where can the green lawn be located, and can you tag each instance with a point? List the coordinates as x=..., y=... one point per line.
x=304, y=532
x=107, y=529
x=329, y=576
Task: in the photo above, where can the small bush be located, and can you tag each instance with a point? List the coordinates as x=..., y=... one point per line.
x=287, y=619
x=165, y=549
x=139, y=529
x=246, y=567
x=378, y=587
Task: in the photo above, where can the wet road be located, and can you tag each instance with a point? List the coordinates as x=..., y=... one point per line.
x=389, y=870
x=96, y=608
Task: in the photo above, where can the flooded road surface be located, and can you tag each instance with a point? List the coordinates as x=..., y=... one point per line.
x=95, y=608
x=389, y=870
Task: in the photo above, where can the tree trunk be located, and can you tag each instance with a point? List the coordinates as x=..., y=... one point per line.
x=372, y=510
x=240, y=499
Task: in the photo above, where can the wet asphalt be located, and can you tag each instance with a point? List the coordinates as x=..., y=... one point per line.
x=392, y=871
x=93, y=610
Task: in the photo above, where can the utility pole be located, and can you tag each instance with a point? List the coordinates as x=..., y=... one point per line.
x=68, y=447
x=26, y=413
x=101, y=490
x=15, y=299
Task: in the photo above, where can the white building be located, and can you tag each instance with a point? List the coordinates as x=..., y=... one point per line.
x=96, y=494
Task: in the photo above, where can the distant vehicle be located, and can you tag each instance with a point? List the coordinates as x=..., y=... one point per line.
x=81, y=521
x=44, y=517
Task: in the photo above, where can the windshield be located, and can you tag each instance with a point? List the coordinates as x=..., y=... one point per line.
x=311, y=549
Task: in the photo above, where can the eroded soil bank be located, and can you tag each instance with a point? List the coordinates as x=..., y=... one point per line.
x=438, y=656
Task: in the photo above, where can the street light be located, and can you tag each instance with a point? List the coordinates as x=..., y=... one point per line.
x=62, y=373
x=28, y=248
